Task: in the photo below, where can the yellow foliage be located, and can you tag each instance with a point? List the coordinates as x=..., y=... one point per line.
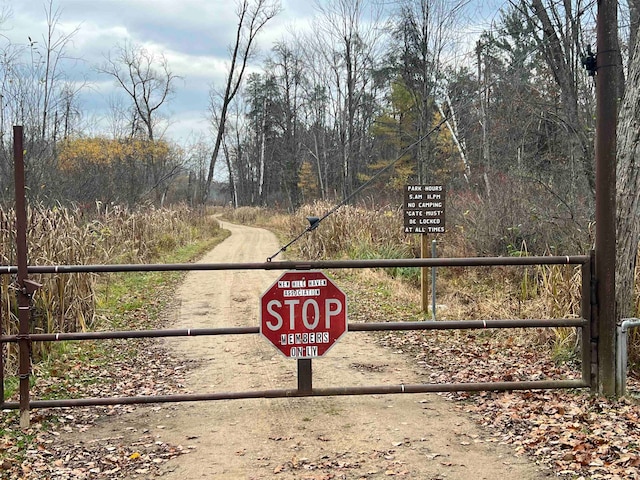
x=446, y=151
x=400, y=126
x=308, y=182
x=79, y=153
x=443, y=140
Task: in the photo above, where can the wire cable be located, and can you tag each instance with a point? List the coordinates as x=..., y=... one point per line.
x=314, y=222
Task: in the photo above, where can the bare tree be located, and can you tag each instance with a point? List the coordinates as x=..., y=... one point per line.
x=54, y=53
x=35, y=92
x=628, y=194
x=253, y=15
x=561, y=41
x=117, y=116
x=425, y=30
x=232, y=145
x=287, y=69
x=348, y=35
x=148, y=83
x=317, y=111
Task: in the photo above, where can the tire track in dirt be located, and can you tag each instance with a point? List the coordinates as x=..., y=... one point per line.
x=417, y=436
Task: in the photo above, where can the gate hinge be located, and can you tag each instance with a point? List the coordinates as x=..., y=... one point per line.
x=29, y=287
x=593, y=294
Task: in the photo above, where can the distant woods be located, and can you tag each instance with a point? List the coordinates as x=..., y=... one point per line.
x=328, y=107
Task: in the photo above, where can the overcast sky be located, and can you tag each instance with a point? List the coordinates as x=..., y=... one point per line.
x=194, y=35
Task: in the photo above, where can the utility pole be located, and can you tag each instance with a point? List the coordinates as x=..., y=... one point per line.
x=605, y=151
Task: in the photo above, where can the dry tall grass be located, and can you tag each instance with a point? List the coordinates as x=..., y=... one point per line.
x=463, y=293
x=102, y=234
x=352, y=232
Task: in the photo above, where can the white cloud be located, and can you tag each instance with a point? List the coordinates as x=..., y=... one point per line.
x=194, y=36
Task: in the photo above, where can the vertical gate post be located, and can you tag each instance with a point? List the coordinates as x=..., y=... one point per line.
x=605, y=152
x=24, y=369
x=434, y=254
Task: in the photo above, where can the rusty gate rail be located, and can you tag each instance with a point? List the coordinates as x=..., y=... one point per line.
x=315, y=392
x=308, y=265
x=584, y=323
x=352, y=327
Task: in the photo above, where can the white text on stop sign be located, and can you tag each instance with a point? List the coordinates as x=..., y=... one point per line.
x=310, y=313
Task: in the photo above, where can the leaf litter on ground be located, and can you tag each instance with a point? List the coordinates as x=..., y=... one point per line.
x=578, y=435
x=58, y=444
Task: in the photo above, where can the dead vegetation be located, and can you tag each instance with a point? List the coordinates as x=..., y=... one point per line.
x=89, y=235
x=578, y=435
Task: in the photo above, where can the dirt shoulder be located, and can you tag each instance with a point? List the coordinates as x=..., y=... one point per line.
x=418, y=436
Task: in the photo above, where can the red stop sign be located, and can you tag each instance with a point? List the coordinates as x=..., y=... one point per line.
x=303, y=314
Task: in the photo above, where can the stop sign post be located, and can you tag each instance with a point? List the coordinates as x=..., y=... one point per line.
x=303, y=314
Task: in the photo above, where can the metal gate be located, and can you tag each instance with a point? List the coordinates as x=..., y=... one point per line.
x=305, y=386
x=26, y=288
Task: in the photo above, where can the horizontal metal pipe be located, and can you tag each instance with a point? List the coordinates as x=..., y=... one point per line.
x=628, y=323
x=467, y=324
x=353, y=327
x=116, y=334
x=299, y=265
x=316, y=392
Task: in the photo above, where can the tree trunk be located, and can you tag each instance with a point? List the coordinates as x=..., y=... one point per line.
x=558, y=51
x=483, y=80
x=628, y=191
x=634, y=20
x=263, y=141
x=252, y=16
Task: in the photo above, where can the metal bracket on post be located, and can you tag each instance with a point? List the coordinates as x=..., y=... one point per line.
x=29, y=287
x=621, y=353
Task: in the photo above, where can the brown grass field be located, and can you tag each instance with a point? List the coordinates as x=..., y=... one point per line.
x=105, y=234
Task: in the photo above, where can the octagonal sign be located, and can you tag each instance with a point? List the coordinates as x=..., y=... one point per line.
x=303, y=314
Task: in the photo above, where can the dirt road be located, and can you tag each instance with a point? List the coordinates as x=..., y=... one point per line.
x=417, y=436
